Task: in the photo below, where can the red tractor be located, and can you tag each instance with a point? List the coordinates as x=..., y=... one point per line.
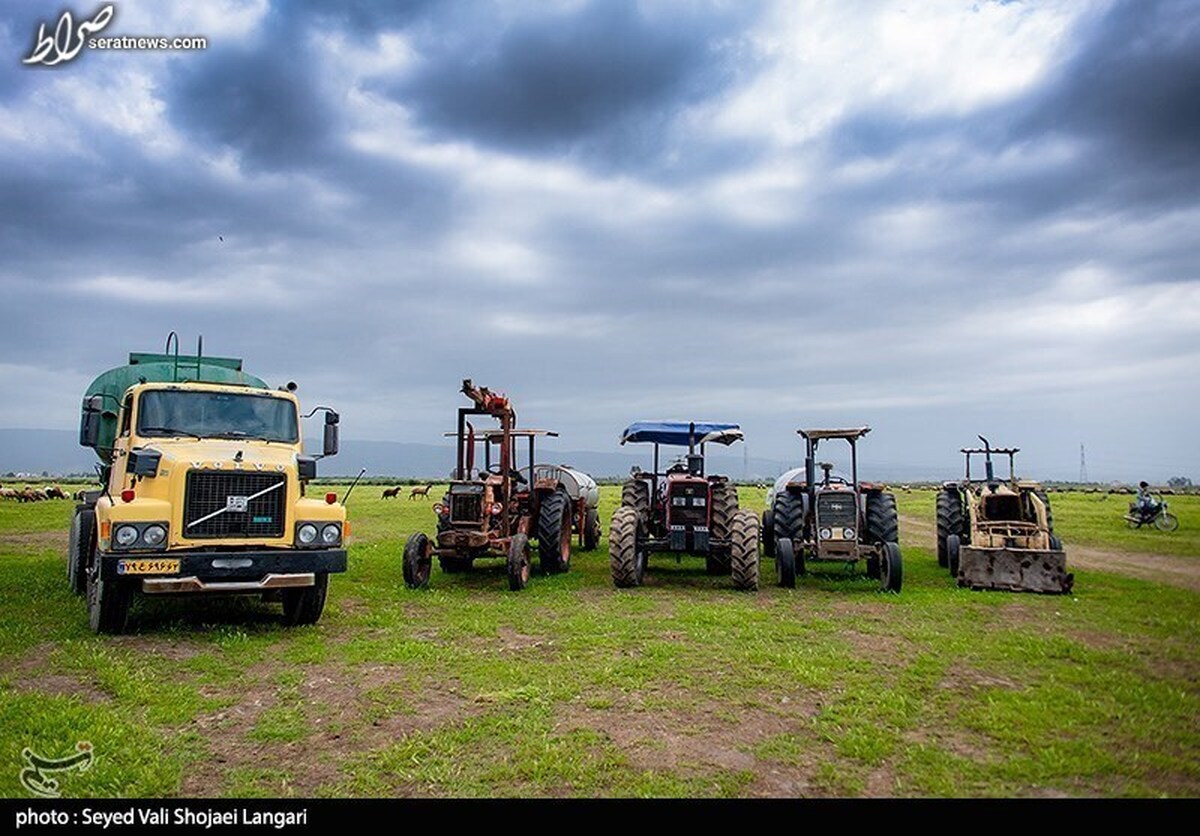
x=682, y=510
x=496, y=511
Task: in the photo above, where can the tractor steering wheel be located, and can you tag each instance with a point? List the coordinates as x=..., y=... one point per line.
x=515, y=475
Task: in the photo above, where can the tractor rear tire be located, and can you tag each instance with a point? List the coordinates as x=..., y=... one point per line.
x=554, y=533
x=519, y=554
x=785, y=563
x=724, y=507
x=953, y=544
x=304, y=605
x=743, y=550
x=891, y=568
x=949, y=520
x=768, y=532
x=418, y=560
x=79, y=546
x=788, y=515
x=635, y=494
x=626, y=558
x=591, y=530
x=883, y=521
x=1041, y=494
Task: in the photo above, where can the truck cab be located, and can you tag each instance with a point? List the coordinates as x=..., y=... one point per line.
x=204, y=490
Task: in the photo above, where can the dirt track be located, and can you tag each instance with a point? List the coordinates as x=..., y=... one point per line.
x=1177, y=571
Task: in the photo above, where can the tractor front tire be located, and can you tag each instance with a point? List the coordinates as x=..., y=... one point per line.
x=785, y=563
x=768, y=532
x=418, y=561
x=626, y=560
x=743, y=550
x=953, y=545
x=891, y=568
x=519, y=554
x=554, y=533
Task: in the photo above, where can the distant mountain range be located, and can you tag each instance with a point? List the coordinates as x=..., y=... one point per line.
x=57, y=453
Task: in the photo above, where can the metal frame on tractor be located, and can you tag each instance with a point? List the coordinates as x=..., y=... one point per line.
x=833, y=521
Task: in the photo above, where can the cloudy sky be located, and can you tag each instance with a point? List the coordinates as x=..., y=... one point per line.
x=937, y=217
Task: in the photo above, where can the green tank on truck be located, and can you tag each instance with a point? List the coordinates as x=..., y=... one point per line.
x=203, y=490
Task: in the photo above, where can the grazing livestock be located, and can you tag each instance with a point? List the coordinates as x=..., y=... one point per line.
x=391, y=493
x=415, y=492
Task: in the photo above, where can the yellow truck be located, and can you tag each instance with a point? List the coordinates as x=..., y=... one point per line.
x=203, y=490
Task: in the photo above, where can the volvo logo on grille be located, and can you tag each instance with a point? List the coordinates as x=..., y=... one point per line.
x=236, y=503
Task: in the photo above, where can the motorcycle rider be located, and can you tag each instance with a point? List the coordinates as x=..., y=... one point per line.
x=1146, y=504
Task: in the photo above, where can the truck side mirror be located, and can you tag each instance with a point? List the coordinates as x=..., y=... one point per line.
x=330, y=447
x=89, y=422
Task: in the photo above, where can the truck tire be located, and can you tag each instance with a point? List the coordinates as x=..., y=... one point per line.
x=1041, y=494
x=108, y=600
x=883, y=521
x=305, y=605
x=724, y=507
x=635, y=494
x=949, y=520
x=891, y=568
x=554, y=533
x=519, y=554
x=591, y=530
x=79, y=546
x=418, y=560
x=785, y=563
x=788, y=515
x=743, y=550
x=626, y=559
x=768, y=532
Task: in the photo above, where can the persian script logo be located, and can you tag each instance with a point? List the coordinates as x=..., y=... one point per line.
x=34, y=775
x=68, y=38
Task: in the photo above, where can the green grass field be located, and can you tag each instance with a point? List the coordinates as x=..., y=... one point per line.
x=573, y=688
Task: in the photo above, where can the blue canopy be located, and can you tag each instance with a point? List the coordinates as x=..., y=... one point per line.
x=676, y=432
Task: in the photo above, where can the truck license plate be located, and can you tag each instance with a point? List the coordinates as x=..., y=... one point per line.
x=147, y=567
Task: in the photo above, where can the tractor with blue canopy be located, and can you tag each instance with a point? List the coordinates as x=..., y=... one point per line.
x=682, y=509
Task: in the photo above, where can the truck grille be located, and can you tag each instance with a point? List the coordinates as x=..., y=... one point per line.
x=466, y=508
x=836, y=510
x=208, y=491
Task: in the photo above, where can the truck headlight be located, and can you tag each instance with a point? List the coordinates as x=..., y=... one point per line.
x=331, y=534
x=848, y=533
x=125, y=535
x=154, y=535
x=306, y=534
x=826, y=533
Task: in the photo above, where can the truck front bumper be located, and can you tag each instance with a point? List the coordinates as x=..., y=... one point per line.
x=238, y=572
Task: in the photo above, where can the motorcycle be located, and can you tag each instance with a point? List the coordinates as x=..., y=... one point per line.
x=1157, y=516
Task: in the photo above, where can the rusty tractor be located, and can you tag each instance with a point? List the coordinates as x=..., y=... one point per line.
x=831, y=519
x=497, y=511
x=995, y=534
x=682, y=510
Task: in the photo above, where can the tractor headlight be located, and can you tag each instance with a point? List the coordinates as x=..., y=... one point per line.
x=679, y=500
x=825, y=533
x=306, y=534
x=700, y=501
x=848, y=533
x=125, y=535
x=331, y=534
x=154, y=535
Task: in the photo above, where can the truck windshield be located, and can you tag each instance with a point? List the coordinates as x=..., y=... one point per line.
x=217, y=415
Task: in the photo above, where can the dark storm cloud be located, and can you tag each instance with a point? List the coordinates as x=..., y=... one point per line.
x=608, y=76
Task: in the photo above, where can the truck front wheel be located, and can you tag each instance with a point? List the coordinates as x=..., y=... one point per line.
x=108, y=600
x=79, y=546
x=305, y=604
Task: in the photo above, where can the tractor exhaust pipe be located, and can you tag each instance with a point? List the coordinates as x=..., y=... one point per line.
x=987, y=452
